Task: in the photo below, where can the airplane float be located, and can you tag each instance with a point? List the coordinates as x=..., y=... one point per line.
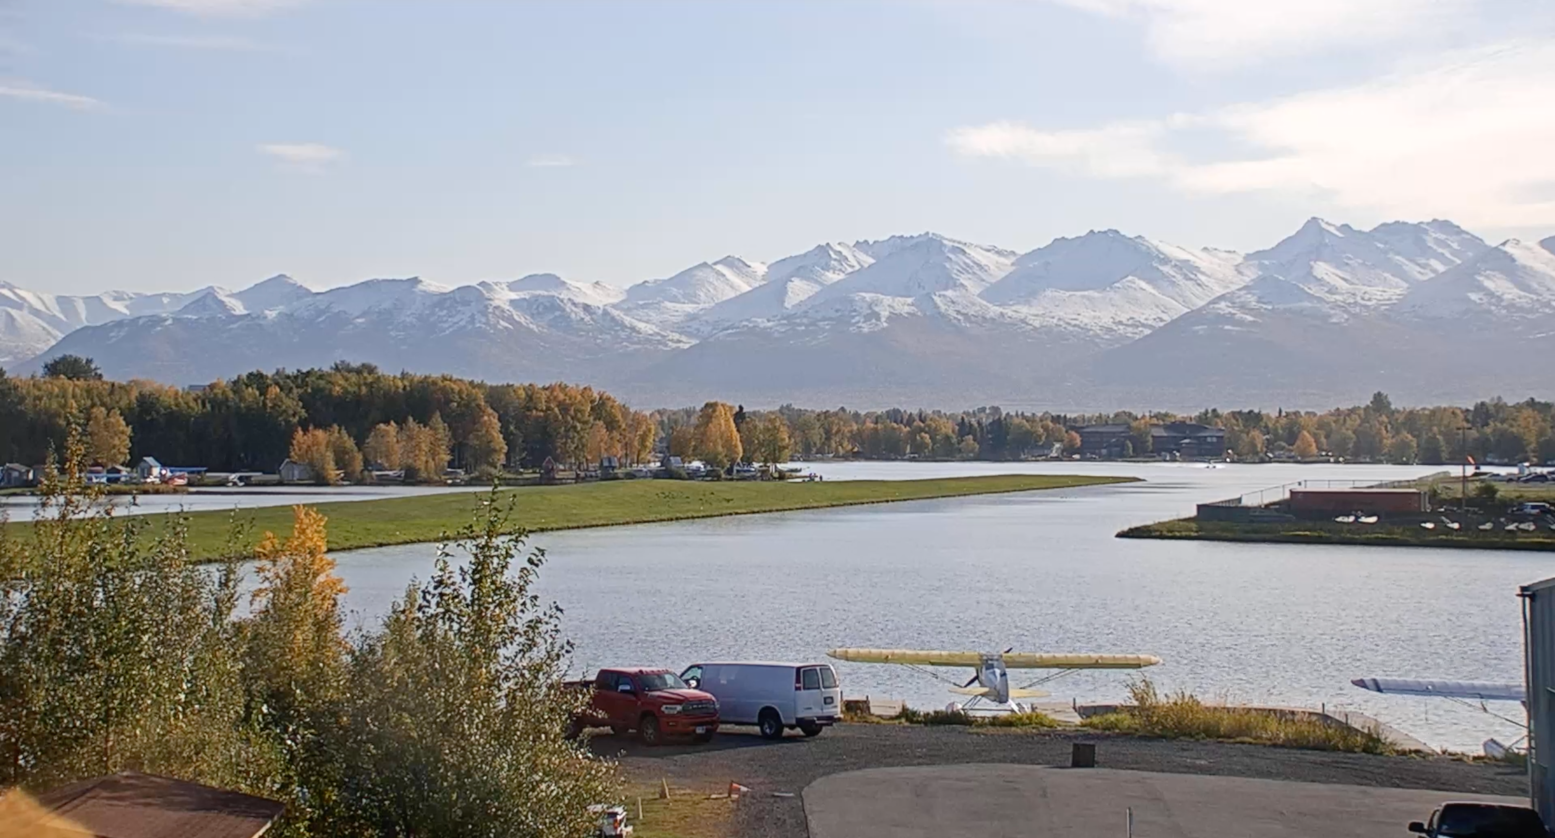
x=991, y=682
x=1463, y=692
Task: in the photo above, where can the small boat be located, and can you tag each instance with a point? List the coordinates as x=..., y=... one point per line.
x=1430, y=525
x=1368, y=519
x=1346, y=519
x=1487, y=526
x=1511, y=528
x=1527, y=526
x=1453, y=525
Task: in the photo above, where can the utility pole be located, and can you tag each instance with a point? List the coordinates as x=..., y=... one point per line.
x=1463, y=489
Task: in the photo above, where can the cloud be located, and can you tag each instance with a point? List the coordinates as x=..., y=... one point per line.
x=312, y=158
x=215, y=8
x=550, y=161
x=1223, y=34
x=28, y=92
x=196, y=42
x=1460, y=139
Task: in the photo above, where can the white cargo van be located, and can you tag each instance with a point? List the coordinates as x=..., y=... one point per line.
x=773, y=696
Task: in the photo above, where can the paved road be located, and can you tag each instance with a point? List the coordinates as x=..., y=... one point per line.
x=794, y=763
x=963, y=801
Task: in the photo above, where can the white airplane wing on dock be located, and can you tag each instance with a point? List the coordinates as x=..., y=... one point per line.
x=1441, y=688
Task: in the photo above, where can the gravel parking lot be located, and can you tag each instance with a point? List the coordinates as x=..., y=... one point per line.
x=791, y=764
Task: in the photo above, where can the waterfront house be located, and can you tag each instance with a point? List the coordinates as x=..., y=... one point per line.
x=1104, y=441
x=1188, y=440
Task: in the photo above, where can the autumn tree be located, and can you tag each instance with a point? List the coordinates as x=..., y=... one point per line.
x=383, y=446
x=716, y=440
x=312, y=448
x=343, y=450
x=487, y=448
x=1305, y=447
x=967, y=448
x=682, y=442
x=771, y=443
x=107, y=437
x=1402, y=449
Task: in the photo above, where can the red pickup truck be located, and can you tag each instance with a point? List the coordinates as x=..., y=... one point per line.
x=653, y=702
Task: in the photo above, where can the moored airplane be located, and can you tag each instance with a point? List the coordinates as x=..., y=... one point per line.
x=992, y=678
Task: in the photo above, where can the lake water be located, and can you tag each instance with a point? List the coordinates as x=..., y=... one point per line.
x=1270, y=624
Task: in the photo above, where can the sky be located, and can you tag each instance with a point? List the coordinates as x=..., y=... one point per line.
x=172, y=144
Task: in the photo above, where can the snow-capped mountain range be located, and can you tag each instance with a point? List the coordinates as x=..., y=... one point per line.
x=1104, y=320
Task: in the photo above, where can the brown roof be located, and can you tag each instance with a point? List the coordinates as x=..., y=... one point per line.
x=134, y=805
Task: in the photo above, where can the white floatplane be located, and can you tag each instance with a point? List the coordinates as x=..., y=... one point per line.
x=991, y=683
x=1463, y=692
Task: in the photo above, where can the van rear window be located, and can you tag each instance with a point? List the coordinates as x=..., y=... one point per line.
x=828, y=678
x=810, y=678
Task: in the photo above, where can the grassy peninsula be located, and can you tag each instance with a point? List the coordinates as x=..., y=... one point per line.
x=410, y=520
x=1324, y=532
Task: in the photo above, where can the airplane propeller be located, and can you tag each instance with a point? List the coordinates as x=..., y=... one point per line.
x=974, y=678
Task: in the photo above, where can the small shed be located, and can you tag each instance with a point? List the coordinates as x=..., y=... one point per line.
x=16, y=476
x=295, y=472
x=149, y=469
x=135, y=805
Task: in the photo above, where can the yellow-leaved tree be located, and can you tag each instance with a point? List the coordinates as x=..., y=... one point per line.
x=716, y=440
x=295, y=644
x=312, y=449
x=1305, y=447
x=107, y=437
x=383, y=447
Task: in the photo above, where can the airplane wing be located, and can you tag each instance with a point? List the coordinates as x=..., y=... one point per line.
x=916, y=657
x=1012, y=660
x=1032, y=660
x=1475, y=690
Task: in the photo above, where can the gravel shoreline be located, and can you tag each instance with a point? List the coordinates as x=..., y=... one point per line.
x=793, y=763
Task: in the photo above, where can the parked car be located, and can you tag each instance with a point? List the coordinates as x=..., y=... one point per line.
x=773, y=696
x=1481, y=820
x=653, y=702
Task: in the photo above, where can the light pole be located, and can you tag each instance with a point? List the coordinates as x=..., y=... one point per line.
x=1463, y=489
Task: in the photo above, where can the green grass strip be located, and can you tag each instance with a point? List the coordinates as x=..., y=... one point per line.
x=410, y=520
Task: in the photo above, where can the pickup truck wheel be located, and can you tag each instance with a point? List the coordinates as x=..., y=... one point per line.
x=810, y=728
x=648, y=729
x=770, y=724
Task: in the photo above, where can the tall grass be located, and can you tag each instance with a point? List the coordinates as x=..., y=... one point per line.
x=1183, y=716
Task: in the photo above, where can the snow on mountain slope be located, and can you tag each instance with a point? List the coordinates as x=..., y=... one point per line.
x=483, y=331
x=594, y=293
x=789, y=282
x=1358, y=268
x=918, y=265
x=273, y=293
x=36, y=319
x=1098, y=260
x=23, y=335
x=1116, y=286
x=1513, y=281
x=666, y=302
